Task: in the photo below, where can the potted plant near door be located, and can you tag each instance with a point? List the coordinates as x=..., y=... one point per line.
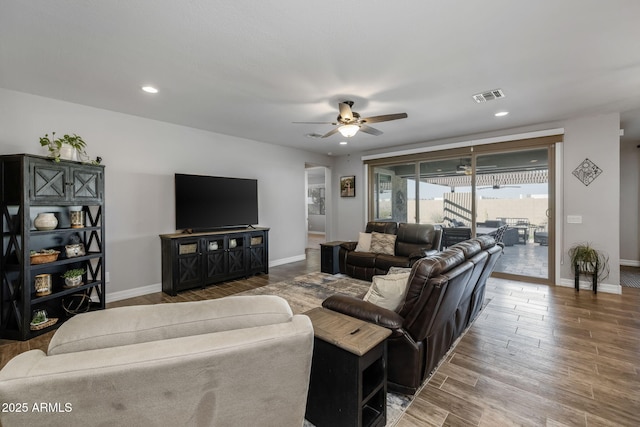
x=585, y=259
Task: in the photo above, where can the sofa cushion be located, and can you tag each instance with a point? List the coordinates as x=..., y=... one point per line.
x=385, y=262
x=382, y=243
x=388, y=291
x=468, y=247
x=136, y=324
x=361, y=259
x=413, y=238
x=427, y=268
x=485, y=241
x=387, y=227
x=364, y=242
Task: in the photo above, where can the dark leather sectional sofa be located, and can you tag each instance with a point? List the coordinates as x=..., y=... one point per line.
x=445, y=294
x=413, y=241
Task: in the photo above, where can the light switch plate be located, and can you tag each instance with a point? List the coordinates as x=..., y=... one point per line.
x=574, y=219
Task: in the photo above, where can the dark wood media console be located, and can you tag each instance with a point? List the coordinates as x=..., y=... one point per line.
x=201, y=259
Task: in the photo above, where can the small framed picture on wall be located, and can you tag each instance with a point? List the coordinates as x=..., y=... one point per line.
x=348, y=186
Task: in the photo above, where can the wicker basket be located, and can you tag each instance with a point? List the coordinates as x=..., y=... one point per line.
x=50, y=322
x=44, y=258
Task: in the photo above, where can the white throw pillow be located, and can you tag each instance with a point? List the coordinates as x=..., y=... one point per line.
x=388, y=291
x=364, y=242
x=397, y=270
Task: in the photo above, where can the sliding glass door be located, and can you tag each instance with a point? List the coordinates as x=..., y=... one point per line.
x=512, y=192
x=394, y=194
x=504, y=190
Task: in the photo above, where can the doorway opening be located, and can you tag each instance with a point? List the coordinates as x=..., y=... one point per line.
x=316, y=206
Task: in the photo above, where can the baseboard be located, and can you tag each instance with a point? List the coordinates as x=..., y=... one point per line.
x=608, y=288
x=132, y=293
x=282, y=261
x=629, y=263
x=157, y=287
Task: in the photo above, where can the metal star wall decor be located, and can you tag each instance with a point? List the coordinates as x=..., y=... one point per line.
x=587, y=171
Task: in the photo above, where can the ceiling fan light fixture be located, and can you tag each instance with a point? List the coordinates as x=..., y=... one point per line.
x=348, y=130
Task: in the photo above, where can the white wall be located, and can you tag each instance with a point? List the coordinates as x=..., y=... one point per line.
x=596, y=138
x=630, y=203
x=349, y=212
x=140, y=158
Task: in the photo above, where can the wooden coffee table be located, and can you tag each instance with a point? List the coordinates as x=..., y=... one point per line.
x=348, y=384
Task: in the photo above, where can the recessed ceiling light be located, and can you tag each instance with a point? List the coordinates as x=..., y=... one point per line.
x=343, y=142
x=501, y=113
x=149, y=89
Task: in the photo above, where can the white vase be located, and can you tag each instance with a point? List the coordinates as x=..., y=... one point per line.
x=67, y=152
x=45, y=221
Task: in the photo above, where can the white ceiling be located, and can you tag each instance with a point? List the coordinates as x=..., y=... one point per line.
x=251, y=68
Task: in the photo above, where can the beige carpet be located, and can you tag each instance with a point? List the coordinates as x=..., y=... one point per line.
x=308, y=291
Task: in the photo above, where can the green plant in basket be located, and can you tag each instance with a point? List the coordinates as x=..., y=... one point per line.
x=73, y=277
x=76, y=272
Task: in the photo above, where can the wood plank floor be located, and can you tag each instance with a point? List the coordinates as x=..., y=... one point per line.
x=536, y=355
x=540, y=356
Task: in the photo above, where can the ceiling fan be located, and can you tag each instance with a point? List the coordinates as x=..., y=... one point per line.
x=349, y=122
x=497, y=186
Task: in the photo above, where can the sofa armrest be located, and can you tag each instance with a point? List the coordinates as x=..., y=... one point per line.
x=364, y=310
x=350, y=246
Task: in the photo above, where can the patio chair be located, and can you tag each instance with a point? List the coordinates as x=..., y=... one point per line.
x=541, y=235
x=453, y=235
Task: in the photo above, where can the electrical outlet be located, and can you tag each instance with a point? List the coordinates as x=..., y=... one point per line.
x=106, y=277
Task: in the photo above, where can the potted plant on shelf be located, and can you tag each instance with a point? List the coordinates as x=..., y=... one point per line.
x=587, y=260
x=69, y=147
x=73, y=277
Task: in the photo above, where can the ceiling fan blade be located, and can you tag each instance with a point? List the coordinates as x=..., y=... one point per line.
x=370, y=130
x=345, y=111
x=316, y=123
x=331, y=132
x=384, y=118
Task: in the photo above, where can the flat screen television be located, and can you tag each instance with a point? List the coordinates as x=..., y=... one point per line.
x=211, y=202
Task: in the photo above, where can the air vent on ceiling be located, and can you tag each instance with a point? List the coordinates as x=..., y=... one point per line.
x=489, y=96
